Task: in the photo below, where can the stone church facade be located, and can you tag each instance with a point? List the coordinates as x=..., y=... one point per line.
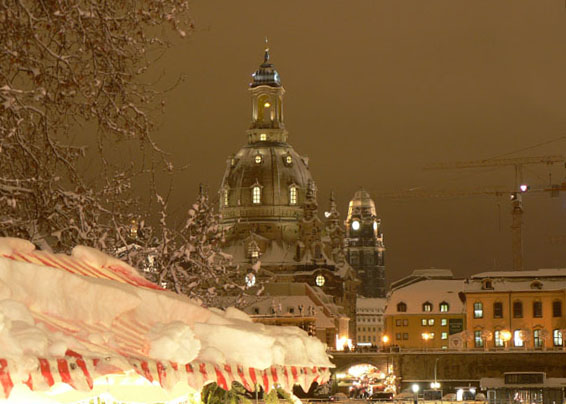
x=269, y=208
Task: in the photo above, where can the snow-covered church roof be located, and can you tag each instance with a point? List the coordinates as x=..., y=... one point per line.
x=74, y=320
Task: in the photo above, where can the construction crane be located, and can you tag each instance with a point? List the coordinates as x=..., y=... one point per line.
x=515, y=193
x=518, y=188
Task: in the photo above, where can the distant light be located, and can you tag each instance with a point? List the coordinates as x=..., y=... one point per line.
x=524, y=187
x=435, y=385
x=267, y=105
x=327, y=214
x=415, y=388
x=385, y=339
x=374, y=226
x=263, y=137
x=355, y=225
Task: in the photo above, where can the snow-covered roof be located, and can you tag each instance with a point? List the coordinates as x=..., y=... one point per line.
x=289, y=307
x=370, y=304
x=434, y=291
x=419, y=274
x=74, y=319
x=516, y=285
x=539, y=273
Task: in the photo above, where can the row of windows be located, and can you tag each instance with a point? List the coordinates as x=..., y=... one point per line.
x=369, y=338
x=429, y=335
x=256, y=195
x=427, y=307
x=369, y=329
x=517, y=309
x=424, y=322
x=370, y=319
x=518, y=338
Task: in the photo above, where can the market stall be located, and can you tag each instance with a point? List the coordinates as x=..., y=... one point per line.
x=89, y=326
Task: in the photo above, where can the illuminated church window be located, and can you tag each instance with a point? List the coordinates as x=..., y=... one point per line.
x=293, y=195
x=226, y=194
x=263, y=137
x=320, y=280
x=256, y=195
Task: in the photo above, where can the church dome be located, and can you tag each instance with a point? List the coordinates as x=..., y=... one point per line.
x=361, y=205
x=275, y=169
x=266, y=180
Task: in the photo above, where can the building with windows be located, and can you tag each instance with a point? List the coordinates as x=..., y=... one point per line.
x=366, y=251
x=425, y=309
x=369, y=321
x=516, y=310
x=269, y=208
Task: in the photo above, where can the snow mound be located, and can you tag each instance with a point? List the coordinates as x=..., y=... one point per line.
x=9, y=244
x=46, y=311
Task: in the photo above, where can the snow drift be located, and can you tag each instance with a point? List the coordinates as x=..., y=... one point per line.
x=88, y=314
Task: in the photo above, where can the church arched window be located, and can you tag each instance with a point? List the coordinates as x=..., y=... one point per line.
x=292, y=195
x=225, y=196
x=256, y=194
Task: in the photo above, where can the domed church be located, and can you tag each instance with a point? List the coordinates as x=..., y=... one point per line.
x=269, y=206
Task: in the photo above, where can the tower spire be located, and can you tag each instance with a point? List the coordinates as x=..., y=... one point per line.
x=266, y=55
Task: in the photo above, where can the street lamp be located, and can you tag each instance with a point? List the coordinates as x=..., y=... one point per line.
x=435, y=385
x=415, y=388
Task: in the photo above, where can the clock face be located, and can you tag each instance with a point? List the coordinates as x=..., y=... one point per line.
x=319, y=280
x=355, y=225
x=250, y=280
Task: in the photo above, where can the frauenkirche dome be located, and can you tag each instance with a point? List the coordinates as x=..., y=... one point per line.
x=266, y=181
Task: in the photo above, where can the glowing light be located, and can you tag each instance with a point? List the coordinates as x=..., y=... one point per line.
x=267, y=105
x=250, y=280
x=320, y=281
x=524, y=187
x=258, y=159
x=360, y=370
x=355, y=225
x=341, y=342
x=435, y=385
x=263, y=137
x=415, y=388
x=385, y=339
x=426, y=336
x=505, y=335
x=374, y=226
x=327, y=214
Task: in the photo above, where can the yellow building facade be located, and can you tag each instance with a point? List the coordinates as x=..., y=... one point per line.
x=516, y=310
x=424, y=310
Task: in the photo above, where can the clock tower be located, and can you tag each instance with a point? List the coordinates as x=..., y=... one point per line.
x=365, y=248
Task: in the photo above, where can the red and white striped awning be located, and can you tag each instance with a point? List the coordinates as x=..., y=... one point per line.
x=80, y=373
x=129, y=349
